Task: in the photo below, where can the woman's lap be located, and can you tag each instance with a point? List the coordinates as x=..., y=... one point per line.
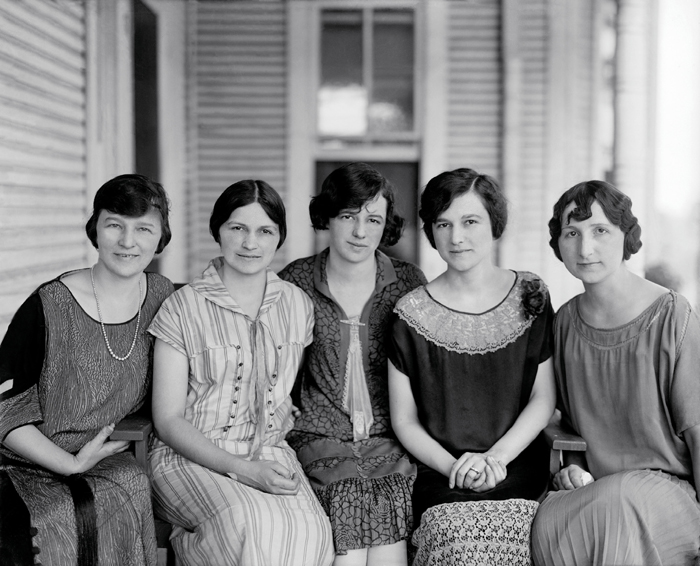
x=638, y=517
x=475, y=533
x=364, y=488
x=122, y=502
x=218, y=516
x=527, y=479
x=368, y=512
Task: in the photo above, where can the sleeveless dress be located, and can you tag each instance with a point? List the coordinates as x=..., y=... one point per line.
x=57, y=374
x=630, y=392
x=471, y=376
x=359, y=470
x=241, y=375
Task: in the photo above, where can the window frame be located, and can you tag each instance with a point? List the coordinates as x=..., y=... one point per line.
x=368, y=8
x=425, y=145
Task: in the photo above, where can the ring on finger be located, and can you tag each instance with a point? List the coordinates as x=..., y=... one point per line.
x=477, y=472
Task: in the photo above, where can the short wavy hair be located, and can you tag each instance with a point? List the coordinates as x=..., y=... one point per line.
x=131, y=195
x=351, y=187
x=616, y=205
x=444, y=188
x=244, y=193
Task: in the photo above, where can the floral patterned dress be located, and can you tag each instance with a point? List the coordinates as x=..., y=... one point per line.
x=364, y=485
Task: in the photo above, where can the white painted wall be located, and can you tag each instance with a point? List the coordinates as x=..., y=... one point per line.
x=673, y=232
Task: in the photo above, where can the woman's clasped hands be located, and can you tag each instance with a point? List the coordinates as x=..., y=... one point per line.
x=478, y=472
x=267, y=476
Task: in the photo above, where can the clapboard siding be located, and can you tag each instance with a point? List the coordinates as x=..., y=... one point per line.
x=475, y=91
x=239, y=116
x=42, y=145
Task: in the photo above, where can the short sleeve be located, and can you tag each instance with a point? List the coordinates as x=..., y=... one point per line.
x=544, y=324
x=167, y=324
x=21, y=360
x=685, y=382
x=309, y=322
x=398, y=345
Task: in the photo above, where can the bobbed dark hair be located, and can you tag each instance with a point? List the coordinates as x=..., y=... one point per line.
x=351, y=187
x=442, y=189
x=616, y=205
x=131, y=195
x=244, y=193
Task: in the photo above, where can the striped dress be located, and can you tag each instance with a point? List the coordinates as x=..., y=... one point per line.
x=219, y=520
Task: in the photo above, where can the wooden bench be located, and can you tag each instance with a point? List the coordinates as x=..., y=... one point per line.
x=137, y=429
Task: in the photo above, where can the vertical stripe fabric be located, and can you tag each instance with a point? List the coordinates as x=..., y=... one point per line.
x=219, y=520
x=638, y=518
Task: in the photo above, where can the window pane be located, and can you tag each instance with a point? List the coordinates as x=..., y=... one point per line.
x=391, y=109
x=342, y=96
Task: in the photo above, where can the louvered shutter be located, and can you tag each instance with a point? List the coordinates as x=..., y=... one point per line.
x=240, y=108
x=475, y=75
x=42, y=145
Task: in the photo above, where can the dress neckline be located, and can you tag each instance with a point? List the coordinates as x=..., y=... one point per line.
x=72, y=296
x=493, y=308
x=636, y=320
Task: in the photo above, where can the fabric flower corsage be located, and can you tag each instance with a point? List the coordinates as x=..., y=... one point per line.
x=534, y=296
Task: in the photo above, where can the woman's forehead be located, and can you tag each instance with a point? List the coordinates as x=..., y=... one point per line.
x=595, y=214
x=152, y=216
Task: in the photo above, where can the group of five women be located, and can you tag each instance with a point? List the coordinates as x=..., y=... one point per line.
x=329, y=413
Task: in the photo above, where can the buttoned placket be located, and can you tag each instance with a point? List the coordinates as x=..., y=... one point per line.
x=270, y=413
x=238, y=379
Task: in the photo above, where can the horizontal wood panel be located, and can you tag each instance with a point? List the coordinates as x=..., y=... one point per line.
x=42, y=146
x=64, y=15
x=43, y=58
x=45, y=218
x=475, y=101
x=30, y=238
x=20, y=23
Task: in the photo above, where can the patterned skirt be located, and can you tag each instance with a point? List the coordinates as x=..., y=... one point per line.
x=124, y=516
x=364, y=487
x=641, y=517
x=476, y=533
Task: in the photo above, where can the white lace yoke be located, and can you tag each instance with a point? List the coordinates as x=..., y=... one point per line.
x=467, y=333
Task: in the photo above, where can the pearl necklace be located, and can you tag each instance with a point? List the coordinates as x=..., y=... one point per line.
x=102, y=324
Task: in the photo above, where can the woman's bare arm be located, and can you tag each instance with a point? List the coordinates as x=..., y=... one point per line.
x=30, y=443
x=407, y=426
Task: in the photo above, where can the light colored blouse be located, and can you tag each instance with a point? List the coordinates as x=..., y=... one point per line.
x=224, y=347
x=632, y=391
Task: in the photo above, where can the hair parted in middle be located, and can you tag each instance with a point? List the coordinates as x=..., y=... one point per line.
x=616, y=205
x=244, y=193
x=442, y=189
x=351, y=187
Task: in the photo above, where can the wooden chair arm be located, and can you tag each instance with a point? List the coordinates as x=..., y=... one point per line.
x=135, y=429
x=560, y=439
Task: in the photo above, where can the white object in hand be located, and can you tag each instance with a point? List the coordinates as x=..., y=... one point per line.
x=586, y=478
